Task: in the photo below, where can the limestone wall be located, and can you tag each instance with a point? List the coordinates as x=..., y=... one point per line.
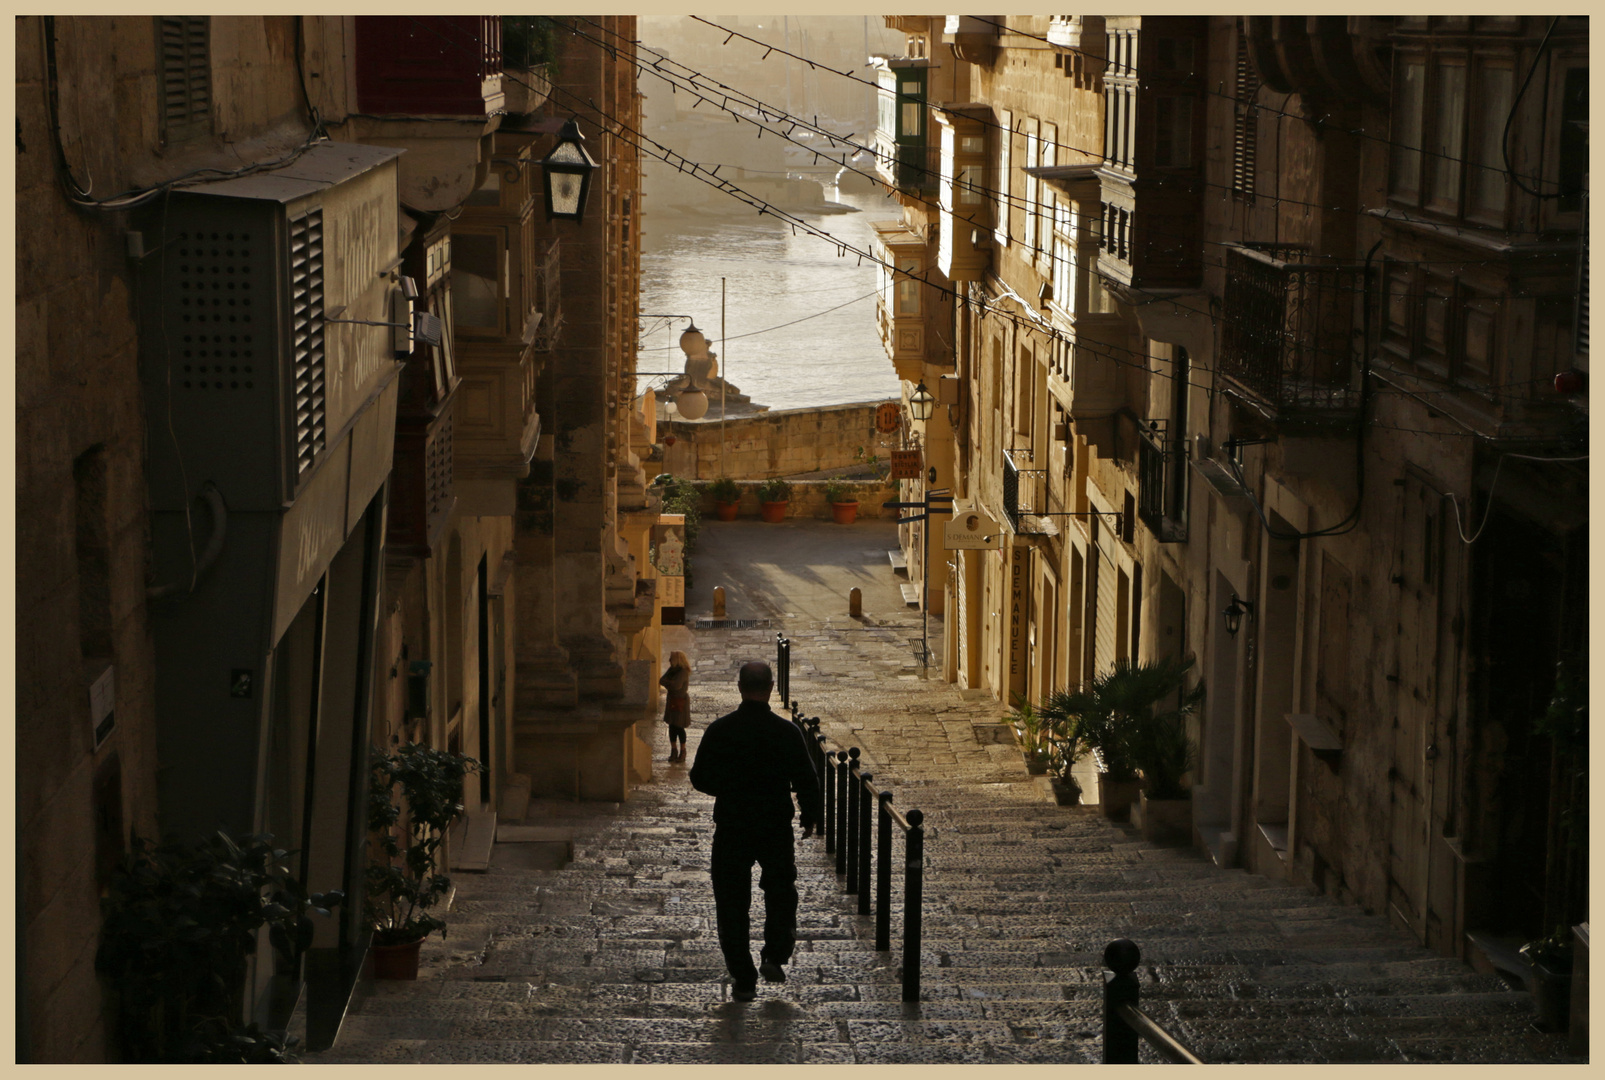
x=782, y=443
x=808, y=500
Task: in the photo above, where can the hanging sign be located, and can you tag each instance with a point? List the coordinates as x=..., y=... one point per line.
x=905, y=465
x=888, y=417
x=971, y=530
x=668, y=548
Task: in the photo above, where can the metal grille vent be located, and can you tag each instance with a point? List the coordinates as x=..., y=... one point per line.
x=186, y=75
x=438, y=471
x=215, y=288
x=306, y=317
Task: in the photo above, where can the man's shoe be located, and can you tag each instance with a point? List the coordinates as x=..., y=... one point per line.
x=744, y=993
x=772, y=972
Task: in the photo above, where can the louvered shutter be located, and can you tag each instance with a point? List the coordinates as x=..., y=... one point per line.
x=186, y=74
x=306, y=306
x=1108, y=593
x=1245, y=120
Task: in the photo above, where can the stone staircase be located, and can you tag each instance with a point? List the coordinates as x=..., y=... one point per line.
x=613, y=958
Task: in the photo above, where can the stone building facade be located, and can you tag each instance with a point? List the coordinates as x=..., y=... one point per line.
x=230, y=598
x=1264, y=320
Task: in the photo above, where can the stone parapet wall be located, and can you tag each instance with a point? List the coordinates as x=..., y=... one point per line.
x=770, y=444
x=808, y=500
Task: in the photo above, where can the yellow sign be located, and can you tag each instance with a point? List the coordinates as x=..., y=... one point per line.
x=888, y=417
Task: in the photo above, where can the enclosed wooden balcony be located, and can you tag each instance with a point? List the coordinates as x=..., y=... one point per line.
x=900, y=307
x=429, y=65
x=422, y=480
x=905, y=154
x=1288, y=333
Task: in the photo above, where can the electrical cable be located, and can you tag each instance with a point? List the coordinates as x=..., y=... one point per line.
x=1504, y=138
x=1492, y=483
x=684, y=164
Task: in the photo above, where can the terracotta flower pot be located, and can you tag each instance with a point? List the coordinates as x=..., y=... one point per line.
x=775, y=511
x=845, y=513
x=396, y=961
x=727, y=511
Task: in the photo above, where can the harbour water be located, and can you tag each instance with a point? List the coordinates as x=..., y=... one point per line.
x=799, y=318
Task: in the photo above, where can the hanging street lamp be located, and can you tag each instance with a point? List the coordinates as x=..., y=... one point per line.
x=1234, y=612
x=567, y=174
x=921, y=403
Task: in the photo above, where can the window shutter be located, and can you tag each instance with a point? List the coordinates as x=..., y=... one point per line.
x=306, y=311
x=1246, y=120
x=186, y=74
x=1005, y=145
x=1107, y=615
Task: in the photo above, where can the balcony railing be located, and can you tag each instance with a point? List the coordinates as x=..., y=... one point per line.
x=1161, y=482
x=1290, y=327
x=1028, y=501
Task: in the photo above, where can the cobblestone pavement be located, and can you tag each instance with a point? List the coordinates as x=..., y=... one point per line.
x=613, y=958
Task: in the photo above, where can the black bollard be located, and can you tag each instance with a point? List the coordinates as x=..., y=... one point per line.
x=827, y=784
x=913, y=899
x=883, y=877
x=841, y=812
x=1121, y=988
x=863, y=843
x=851, y=835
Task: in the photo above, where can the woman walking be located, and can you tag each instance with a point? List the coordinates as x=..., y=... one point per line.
x=677, y=703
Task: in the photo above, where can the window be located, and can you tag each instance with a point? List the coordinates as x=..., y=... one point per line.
x=476, y=287
x=1064, y=261
x=1448, y=136
x=1573, y=140
x=908, y=289
x=1174, y=55
x=1409, y=84
x=1031, y=182
x=970, y=185
x=1005, y=145
x=1173, y=132
x=1047, y=148
x=186, y=76
x=1487, y=185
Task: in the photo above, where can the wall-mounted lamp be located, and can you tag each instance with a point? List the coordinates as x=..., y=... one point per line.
x=1234, y=614
x=566, y=174
x=692, y=402
x=921, y=403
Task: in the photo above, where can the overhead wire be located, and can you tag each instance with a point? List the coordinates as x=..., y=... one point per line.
x=684, y=164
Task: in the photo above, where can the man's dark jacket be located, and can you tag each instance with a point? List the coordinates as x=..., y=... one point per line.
x=750, y=761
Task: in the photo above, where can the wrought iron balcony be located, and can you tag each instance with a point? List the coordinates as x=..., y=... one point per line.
x=1028, y=502
x=1161, y=482
x=1291, y=322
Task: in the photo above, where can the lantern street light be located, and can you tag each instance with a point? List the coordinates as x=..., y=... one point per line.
x=567, y=174
x=692, y=402
x=1233, y=613
x=921, y=403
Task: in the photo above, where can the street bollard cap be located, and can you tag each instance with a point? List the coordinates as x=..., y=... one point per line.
x=1121, y=956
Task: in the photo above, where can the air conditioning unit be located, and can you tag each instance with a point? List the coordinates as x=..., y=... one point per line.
x=248, y=380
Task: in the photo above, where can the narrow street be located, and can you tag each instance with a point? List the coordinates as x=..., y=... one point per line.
x=613, y=959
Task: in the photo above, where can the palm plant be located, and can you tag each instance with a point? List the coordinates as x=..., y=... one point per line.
x=1119, y=715
x=1035, y=734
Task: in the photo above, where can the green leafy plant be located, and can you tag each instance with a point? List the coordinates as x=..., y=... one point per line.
x=414, y=795
x=685, y=498
x=838, y=492
x=873, y=460
x=725, y=490
x=1119, y=715
x=776, y=490
x=1033, y=730
x=529, y=43
x=180, y=925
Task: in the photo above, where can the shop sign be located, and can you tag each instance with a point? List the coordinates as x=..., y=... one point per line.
x=888, y=417
x=905, y=465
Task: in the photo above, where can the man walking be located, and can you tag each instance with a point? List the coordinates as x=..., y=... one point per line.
x=751, y=761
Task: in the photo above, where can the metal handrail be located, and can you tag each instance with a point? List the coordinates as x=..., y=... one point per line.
x=1124, y=1022
x=849, y=794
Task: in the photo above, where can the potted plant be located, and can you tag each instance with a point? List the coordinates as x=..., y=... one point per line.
x=843, y=503
x=774, y=495
x=1099, y=732
x=1067, y=747
x=1031, y=732
x=414, y=795
x=1551, y=983
x=726, y=495
x=1157, y=740
x=180, y=923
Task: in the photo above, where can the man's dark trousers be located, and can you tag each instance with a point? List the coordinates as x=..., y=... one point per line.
x=735, y=848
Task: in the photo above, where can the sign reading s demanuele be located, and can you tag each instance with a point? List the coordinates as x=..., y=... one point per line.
x=971, y=530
